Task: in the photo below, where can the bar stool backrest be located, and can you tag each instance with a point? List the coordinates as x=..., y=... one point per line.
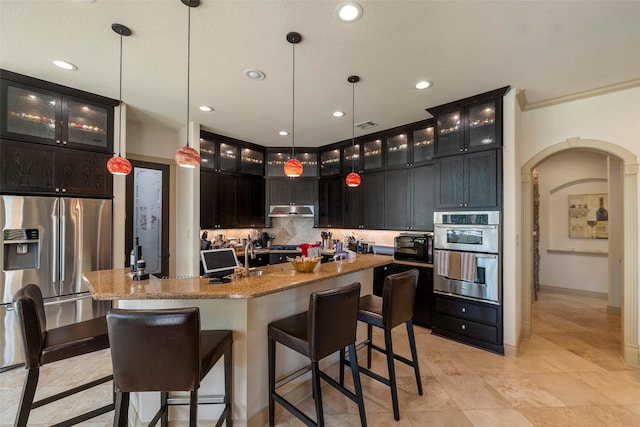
x=332, y=320
x=155, y=350
x=29, y=307
x=398, y=295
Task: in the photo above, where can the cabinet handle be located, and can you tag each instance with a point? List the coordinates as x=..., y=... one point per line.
x=461, y=204
x=464, y=309
x=57, y=190
x=464, y=327
x=64, y=190
x=57, y=141
x=64, y=142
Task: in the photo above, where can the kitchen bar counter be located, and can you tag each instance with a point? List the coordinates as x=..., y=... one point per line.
x=246, y=306
x=116, y=285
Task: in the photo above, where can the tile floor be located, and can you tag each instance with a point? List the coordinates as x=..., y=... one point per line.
x=570, y=373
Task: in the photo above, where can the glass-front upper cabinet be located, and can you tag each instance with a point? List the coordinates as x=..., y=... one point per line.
x=372, y=155
x=33, y=114
x=277, y=159
x=330, y=162
x=228, y=158
x=351, y=159
x=207, y=153
x=251, y=162
x=450, y=132
x=482, y=124
x=397, y=152
x=423, y=140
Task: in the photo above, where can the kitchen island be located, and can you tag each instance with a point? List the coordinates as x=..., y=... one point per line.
x=246, y=306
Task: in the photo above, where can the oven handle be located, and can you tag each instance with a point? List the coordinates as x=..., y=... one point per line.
x=466, y=226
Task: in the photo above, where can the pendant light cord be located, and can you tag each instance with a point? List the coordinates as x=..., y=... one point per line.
x=353, y=125
x=293, y=111
x=188, y=64
x=120, y=97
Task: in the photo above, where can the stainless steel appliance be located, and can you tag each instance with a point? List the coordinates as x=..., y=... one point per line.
x=50, y=241
x=473, y=239
x=414, y=247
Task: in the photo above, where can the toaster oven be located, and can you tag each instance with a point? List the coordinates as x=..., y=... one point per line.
x=414, y=247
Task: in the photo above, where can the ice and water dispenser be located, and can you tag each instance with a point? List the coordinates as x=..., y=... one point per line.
x=21, y=249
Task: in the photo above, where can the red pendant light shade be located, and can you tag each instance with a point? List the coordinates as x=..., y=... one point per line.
x=119, y=166
x=293, y=168
x=187, y=157
x=353, y=180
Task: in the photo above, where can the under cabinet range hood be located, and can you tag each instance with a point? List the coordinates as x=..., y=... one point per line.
x=291, y=211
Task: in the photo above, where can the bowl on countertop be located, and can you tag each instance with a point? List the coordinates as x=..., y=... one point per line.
x=304, y=264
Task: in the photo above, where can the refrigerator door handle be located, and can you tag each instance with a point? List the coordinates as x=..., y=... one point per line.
x=63, y=231
x=9, y=307
x=55, y=247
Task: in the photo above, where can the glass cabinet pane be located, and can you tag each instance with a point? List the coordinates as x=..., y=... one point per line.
x=351, y=159
x=372, y=155
x=482, y=128
x=397, y=150
x=207, y=154
x=423, y=144
x=31, y=112
x=252, y=162
x=276, y=161
x=87, y=124
x=449, y=132
x=228, y=158
x=309, y=163
x=330, y=162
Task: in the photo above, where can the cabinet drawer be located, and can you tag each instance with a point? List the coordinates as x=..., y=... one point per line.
x=467, y=310
x=467, y=328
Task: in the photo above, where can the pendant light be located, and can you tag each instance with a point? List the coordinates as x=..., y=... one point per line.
x=353, y=179
x=187, y=156
x=293, y=167
x=119, y=165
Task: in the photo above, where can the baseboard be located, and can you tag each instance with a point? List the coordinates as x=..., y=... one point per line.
x=576, y=292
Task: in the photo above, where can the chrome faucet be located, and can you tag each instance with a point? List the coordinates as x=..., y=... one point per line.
x=249, y=248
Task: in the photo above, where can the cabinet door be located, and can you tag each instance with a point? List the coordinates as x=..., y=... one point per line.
x=208, y=193
x=208, y=154
x=423, y=142
x=279, y=191
x=252, y=162
x=351, y=159
x=30, y=114
x=330, y=162
x=250, y=202
x=481, y=185
x=397, y=151
x=329, y=202
x=26, y=167
x=227, y=201
x=304, y=191
x=87, y=125
x=83, y=173
x=424, y=297
x=373, y=202
x=352, y=207
x=372, y=155
x=449, y=133
x=449, y=182
x=482, y=132
x=396, y=195
x=422, y=192
x=228, y=158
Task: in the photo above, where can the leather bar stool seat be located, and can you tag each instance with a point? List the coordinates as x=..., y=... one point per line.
x=165, y=351
x=42, y=346
x=394, y=308
x=327, y=327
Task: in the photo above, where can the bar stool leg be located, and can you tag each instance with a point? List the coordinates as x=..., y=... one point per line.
x=228, y=381
x=272, y=381
x=121, y=416
x=193, y=409
x=315, y=379
x=392, y=374
x=26, y=400
x=164, y=406
x=414, y=355
x=353, y=361
x=343, y=360
x=369, y=342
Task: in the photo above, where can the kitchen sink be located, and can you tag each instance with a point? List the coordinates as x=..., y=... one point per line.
x=254, y=273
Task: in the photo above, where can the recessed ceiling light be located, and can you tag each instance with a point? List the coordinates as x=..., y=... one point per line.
x=423, y=84
x=283, y=133
x=349, y=12
x=337, y=114
x=254, y=74
x=205, y=108
x=64, y=64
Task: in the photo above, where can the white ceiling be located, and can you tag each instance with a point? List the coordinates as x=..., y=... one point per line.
x=548, y=48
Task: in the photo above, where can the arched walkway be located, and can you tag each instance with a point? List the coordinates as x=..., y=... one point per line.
x=630, y=257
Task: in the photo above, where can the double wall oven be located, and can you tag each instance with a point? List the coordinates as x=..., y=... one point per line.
x=467, y=255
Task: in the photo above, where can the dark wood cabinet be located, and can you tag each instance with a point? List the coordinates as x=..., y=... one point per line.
x=29, y=168
x=469, y=181
x=250, y=202
x=292, y=191
x=409, y=198
x=424, y=291
x=277, y=157
x=351, y=206
x=228, y=201
x=472, y=322
x=470, y=124
x=42, y=112
x=208, y=201
x=373, y=203
x=330, y=201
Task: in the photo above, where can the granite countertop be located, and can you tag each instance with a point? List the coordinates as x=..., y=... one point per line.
x=116, y=285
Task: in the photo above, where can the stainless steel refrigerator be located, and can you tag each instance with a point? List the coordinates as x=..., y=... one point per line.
x=50, y=241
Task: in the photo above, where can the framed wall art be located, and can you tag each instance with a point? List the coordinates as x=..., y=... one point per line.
x=588, y=216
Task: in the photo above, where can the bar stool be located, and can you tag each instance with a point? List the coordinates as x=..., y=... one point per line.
x=42, y=346
x=165, y=350
x=328, y=326
x=395, y=307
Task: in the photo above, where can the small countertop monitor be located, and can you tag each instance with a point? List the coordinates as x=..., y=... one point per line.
x=219, y=262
